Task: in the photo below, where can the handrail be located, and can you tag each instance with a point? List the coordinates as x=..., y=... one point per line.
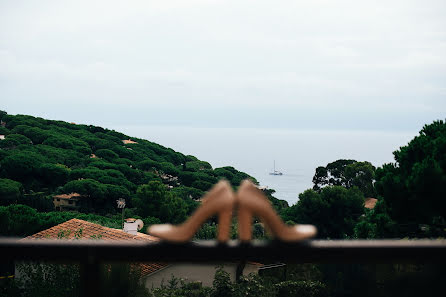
x=320, y=251
x=91, y=253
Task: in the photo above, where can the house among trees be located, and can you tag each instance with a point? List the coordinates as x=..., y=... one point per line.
x=153, y=274
x=128, y=141
x=370, y=203
x=65, y=202
x=2, y=137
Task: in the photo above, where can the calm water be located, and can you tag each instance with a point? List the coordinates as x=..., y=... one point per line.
x=297, y=153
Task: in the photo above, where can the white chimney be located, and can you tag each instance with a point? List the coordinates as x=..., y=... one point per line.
x=131, y=226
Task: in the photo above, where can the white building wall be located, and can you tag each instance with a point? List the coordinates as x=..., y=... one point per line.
x=250, y=268
x=203, y=273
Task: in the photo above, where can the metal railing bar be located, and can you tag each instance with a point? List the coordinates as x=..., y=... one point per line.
x=316, y=251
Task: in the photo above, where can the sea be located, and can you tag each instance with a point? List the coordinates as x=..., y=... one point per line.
x=296, y=153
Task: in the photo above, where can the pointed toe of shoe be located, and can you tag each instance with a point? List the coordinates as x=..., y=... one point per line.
x=305, y=231
x=161, y=230
x=170, y=233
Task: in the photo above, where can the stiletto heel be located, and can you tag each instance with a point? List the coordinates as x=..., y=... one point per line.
x=224, y=225
x=244, y=217
x=219, y=200
x=251, y=201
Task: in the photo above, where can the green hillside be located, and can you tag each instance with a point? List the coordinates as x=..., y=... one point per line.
x=40, y=158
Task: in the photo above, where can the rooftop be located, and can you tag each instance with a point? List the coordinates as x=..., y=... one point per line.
x=88, y=231
x=68, y=196
x=80, y=229
x=370, y=203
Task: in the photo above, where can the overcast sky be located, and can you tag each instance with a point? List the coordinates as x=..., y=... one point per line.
x=289, y=64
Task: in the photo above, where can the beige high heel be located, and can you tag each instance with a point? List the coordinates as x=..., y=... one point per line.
x=251, y=201
x=219, y=200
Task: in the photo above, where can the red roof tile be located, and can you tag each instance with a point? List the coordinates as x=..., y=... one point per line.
x=81, y=229
x=85, y=230
x=370, y=203
x=67, y=196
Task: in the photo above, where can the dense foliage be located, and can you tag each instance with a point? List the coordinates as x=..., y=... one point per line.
x=414, y=187
x=348, y=174
x=411, y=193
x=298, y=280
x=40, y=158
x=21, y=220
x=334, y=210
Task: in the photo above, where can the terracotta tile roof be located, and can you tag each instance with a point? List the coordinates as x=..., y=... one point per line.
x=370, y=203
x=67, y=196
x=149, y=268
x=128, y=141
x=70, y=229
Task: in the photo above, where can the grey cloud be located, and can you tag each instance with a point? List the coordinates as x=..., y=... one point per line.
x=300, y=60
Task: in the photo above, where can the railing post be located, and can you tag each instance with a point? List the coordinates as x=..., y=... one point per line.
x=90, y=277
x=239, y=271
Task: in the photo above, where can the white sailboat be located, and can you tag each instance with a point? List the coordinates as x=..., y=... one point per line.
x=275, y=172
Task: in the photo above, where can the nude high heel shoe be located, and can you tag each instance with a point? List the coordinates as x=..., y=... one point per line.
x=251, y=201
x=219, y=201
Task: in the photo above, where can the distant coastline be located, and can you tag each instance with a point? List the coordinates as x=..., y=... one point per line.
x=299, y=152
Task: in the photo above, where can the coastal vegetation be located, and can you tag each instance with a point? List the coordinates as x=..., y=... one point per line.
x=41, y=158
x=410, y=193
x=298, y=280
